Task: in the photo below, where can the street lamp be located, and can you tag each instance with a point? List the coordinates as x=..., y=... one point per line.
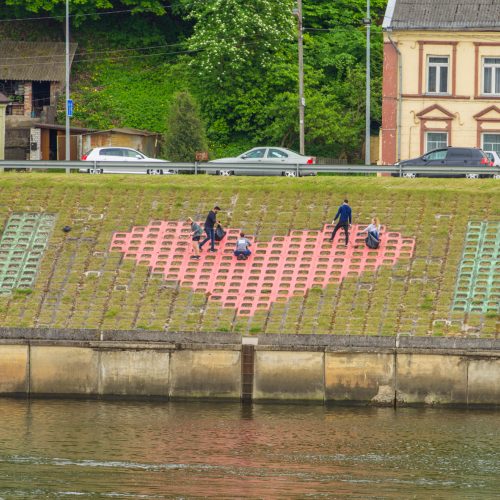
x=297, y=11
x=367, y=23
x=68, y=152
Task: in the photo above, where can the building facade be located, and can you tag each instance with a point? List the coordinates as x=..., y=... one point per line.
x=441, y=77
x=32, y=77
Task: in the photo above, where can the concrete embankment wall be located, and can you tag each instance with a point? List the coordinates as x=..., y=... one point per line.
x=320, y=368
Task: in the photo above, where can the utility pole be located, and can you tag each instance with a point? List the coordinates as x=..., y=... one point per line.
x=302, y=102
x=367, y=22
x=68, y=150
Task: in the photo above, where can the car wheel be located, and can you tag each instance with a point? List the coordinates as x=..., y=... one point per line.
x=289, y=173
x=496, y=176
x=226, y=173
x=95, y=171
x=472, y=176
x=410, y=175
x=154, y=171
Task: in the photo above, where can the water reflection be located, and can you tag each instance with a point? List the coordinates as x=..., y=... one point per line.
x=56, y=448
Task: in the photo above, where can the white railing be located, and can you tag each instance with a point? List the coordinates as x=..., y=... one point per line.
x=294, y=170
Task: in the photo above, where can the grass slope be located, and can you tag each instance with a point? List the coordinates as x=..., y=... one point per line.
x=82, y=285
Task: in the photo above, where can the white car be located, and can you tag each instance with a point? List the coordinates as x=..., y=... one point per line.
x=266, y=155
x=122, y=158
x=494, y=157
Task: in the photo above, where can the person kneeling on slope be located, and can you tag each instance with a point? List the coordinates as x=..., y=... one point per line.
x=242, y=247
x=372, y=239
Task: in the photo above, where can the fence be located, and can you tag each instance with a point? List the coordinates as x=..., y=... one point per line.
x=289, y=170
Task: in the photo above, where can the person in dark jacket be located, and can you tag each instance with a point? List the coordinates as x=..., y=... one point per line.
x=344, y=215
x=210, y=225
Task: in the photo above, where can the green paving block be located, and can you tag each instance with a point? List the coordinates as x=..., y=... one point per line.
x=477, y=288
x=22, y=246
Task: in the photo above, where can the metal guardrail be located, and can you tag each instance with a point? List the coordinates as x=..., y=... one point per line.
x=243, y=168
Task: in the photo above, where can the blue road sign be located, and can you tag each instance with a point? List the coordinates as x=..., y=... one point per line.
x=69, y=107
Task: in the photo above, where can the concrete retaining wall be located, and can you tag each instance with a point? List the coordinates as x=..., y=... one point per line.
x=369, y=370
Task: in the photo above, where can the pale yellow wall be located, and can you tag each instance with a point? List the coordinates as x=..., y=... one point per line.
x=464, y=126
x=2, y=131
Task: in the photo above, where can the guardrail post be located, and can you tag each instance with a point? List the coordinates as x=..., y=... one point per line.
x=195, y=168
x=399, y=169
x=298, y=171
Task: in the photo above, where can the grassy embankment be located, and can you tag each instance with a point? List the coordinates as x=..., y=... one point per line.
x=413, y=297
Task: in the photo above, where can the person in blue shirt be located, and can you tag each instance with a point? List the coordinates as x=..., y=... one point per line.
x=344, y=215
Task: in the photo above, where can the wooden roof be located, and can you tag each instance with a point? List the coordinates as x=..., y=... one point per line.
x=34, y=61
x=443, y=15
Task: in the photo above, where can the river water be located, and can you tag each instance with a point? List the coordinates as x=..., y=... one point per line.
x=117, y=449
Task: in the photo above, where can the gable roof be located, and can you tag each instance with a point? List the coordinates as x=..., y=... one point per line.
x=443, y=15
x=34, y=61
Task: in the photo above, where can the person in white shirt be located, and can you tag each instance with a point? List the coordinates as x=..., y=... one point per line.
x=242, y=250
x=372, y=239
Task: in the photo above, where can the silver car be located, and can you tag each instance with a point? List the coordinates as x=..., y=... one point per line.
x=121, y=159
x=265, y=157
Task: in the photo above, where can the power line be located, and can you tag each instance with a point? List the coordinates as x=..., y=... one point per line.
x=78, y=60
x=88, y=14
x=83, y=58
x=38, y=57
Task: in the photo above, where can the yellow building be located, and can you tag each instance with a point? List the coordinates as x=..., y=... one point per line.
x=441, y=76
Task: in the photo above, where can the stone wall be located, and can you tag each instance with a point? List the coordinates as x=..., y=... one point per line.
x=336, y=369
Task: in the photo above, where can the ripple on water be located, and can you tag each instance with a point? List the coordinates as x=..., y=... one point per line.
x=57, y=449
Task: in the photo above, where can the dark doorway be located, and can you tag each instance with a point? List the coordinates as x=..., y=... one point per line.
x=41, y=97
x=53, y=145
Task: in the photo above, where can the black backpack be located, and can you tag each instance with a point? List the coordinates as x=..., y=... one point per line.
x=219, y=233
x=372, y=242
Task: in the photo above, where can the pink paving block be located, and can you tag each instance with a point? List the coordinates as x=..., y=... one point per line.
x=276, y=270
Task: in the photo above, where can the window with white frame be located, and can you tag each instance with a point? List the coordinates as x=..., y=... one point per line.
x=435, y=140
x=437, y=74
x=491, y=142
x=491, y=75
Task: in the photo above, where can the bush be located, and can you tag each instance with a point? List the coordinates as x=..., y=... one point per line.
x=185, y=132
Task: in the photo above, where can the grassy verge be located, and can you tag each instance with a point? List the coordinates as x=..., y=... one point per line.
x=82, y=285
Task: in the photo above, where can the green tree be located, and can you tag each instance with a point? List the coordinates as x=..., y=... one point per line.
x=232, y=37
x=245, y=72
x=57, y=7
x=185, y=133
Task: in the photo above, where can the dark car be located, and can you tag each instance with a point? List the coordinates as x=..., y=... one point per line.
x=448, y=157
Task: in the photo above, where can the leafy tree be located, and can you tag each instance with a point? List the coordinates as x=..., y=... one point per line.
x=236, y=36
x=250, y=91
x=58, y=7
x=185, y=134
